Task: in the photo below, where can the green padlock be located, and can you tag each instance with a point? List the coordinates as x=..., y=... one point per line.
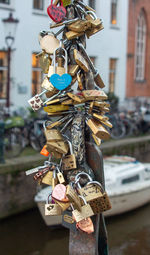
x=66, y=2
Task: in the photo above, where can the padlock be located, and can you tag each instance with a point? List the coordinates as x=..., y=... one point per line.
x=48, y=86
x=94, y=30
x=59, y=196
x=56, y=108
x=98, y=80
x=54, y=179
x=66, y=2
x=41, y=173
x=52, y=209
x=92, y=18
x=76, y=98
x=85, y=212
x=56, y=13
x=94, y=95
x=58, y=146
x=101, y=118
x=98, y=129
x=86, y=225
x=44, y=151
x=68, y=221
x=60, y=176
x=80, y=26
x=80, y=60
x=97, y=140
x=98, y=203
x=59, y=76
x=73, y=69
x=72, y=35
x=73, y=197
x=52, y=134
x=44, y=61
x=54, y=153
x=67, y=102
x=69, y=161
x=49, y=43
x=80, y=79
x=47, y=179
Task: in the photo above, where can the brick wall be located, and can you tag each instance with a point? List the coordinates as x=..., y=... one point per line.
x=133, y=88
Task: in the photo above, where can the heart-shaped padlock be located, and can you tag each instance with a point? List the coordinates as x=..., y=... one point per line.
x=59, y=193
x=56, y=13
x=86, y=225
x=60, y=82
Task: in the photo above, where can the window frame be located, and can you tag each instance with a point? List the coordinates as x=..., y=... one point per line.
x=4, y=68
x=9, y=2
x=114, y=71
x=39, y=9
x=140, y=47
x=36, y=69
x=116, y=13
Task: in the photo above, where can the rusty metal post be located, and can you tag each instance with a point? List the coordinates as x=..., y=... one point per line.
x=80, y=243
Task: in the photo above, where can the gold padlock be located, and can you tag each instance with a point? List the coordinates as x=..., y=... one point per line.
x=94, y=94
x=48, y=86
x=73, y=197
x=85, y=211
x=80, y=26
x=52, y=134
x=98, y=129
x=97, y=140
x=55, y=108
x=69, y=161
x=76, y=98
x=93, y=31
x=54, y=153
x=72, y=35
x=58, y=146
x=80, y=60
x=47, y=179
x=49, y=43
x=66, y=2
x=80, y=79
x=73, y=69
x=44, y=61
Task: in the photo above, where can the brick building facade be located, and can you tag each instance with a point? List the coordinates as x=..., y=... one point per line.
x=138, y=54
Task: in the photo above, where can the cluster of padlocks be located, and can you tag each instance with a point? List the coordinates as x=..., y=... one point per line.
x=75, y=193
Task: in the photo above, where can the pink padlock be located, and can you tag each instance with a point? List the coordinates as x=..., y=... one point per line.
x=59, y=193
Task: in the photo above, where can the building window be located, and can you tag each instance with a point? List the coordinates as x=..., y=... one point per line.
x=92, y=3
x=112, y=74
x=37, y=76
x=4, y=1
x=140, y=49
x=3, y=74
x=38, y=5
x=114, y=8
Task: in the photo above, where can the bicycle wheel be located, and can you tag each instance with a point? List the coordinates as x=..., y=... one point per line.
x=34, y=141
x=118, y=131
x=12, y=142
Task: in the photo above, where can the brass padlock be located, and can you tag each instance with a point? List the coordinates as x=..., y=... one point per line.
x=92, y=18
x=98, y=129
x=52, y=134
x=52, y=209
x=94, y=194
x=97, y=140
x=47, y=179
x=73, y=197
x=80, y=26
x=94, y=94
x=44, y=61
x=56, y=108
x=93, y=31
x=98, y=203
x=54, y=153
x=49, y=87
x=80, y=79
x=69, y=161
x=58, y=146
x=73, y=69
x=60, y=176
x=72, y=35
x=80, y=60
x=76, y=98
x=66, y=2
x=85, y=211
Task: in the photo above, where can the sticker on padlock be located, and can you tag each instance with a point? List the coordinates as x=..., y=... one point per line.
x=63, y=81
x=56, y=13
x=86, y=211
x=52, y=209
x=69, y=161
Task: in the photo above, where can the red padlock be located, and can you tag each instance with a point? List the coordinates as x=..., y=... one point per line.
x=56, y=13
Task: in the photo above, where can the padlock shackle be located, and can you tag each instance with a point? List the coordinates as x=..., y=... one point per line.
x=83, y=199
x=77, y=178
x=92, y=14
x=98, y=184
x=50, y=195
x=66, y=57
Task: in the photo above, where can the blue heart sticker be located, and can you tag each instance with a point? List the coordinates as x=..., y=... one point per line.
x=60, y=82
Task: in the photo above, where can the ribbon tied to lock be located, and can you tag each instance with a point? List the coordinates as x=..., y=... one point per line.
x=63, y=81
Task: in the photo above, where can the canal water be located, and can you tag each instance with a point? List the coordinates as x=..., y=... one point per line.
x=27, y=234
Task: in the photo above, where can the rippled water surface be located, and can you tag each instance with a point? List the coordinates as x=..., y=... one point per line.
x=27, y=234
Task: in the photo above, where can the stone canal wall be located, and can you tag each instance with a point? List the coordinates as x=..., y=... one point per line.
x=17, y=190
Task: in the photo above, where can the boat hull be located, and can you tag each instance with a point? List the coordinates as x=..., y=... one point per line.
x=129, y=201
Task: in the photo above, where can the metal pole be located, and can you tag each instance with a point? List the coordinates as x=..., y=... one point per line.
x=8, y=78
x=2, y=128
